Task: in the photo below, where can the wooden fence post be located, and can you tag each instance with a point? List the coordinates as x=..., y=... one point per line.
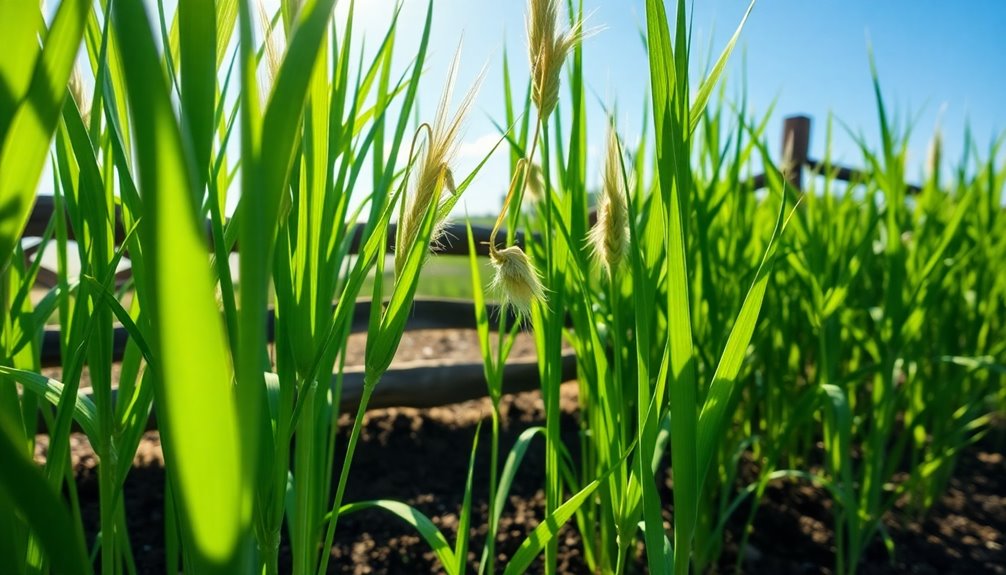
x=795, y=148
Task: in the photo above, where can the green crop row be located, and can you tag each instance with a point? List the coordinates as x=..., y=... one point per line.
x=850, y=335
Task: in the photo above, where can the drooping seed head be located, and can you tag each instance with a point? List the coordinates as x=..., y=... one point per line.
x=516, y=279
x=434, y=176
x=610, y=235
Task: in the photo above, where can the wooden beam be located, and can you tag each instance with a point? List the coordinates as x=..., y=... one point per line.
x=795, y=148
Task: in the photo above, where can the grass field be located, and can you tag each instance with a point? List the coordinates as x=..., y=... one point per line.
x=851, y=336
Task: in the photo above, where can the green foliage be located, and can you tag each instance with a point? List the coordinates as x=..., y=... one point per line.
x=738, y=324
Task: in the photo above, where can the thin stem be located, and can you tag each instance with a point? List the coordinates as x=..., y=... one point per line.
x=302, y=533
x=107, y=496
x=616, y=343
x=551, y=381
x=519, y=172
x=369, y=383
x=523, y=171
x=493, y=482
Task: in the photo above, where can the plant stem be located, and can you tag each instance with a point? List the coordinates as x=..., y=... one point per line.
x=369, y=382
x=107, y=495
x=493, y=481
x=550, y=383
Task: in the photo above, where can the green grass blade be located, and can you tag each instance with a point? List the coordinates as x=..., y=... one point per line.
x=723, y=385
x=706, y=89
x=23, y=484
x=84, y=411
x=19, y=27
x=24, y=146
x=546, y=531
x=481, y=316
x=286, y=103
x=422, y=524
x=510, y=468
x=124, y=318
x=673, y=157
x=464, y=520
x=194, y=389
x=197, y=37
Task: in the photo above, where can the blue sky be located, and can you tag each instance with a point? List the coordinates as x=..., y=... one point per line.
x=937, y=61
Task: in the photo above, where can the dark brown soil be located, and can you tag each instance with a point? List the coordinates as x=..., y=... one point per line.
x=421, y=457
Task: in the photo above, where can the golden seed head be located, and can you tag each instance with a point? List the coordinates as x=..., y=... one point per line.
x=610, y=234
x=547, y=49
x=542, y=16
x=434, y=177
x=412, y=219
x=79, y=95
x=516, y=279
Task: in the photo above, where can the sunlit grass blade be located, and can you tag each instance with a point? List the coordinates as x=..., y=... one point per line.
x=197, y=38
x=23, y=484
x=547, y=530
x=724, y=381
x=194, y=390
x=84, y=411
x=25, y=141
x=422, y=524
x=20, y=26
x=465, y=518
x=669, y=85
x=706, y=89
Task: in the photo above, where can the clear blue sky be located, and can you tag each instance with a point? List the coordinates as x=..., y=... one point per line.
x=811, y=56
x=937, y=60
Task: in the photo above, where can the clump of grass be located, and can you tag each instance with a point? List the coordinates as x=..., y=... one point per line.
x=882, y=333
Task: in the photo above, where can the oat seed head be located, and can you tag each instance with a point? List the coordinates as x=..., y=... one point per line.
x=516, y=279
x=610, y=235
x=79, y=95
x=547, y=49
x=434, y=176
